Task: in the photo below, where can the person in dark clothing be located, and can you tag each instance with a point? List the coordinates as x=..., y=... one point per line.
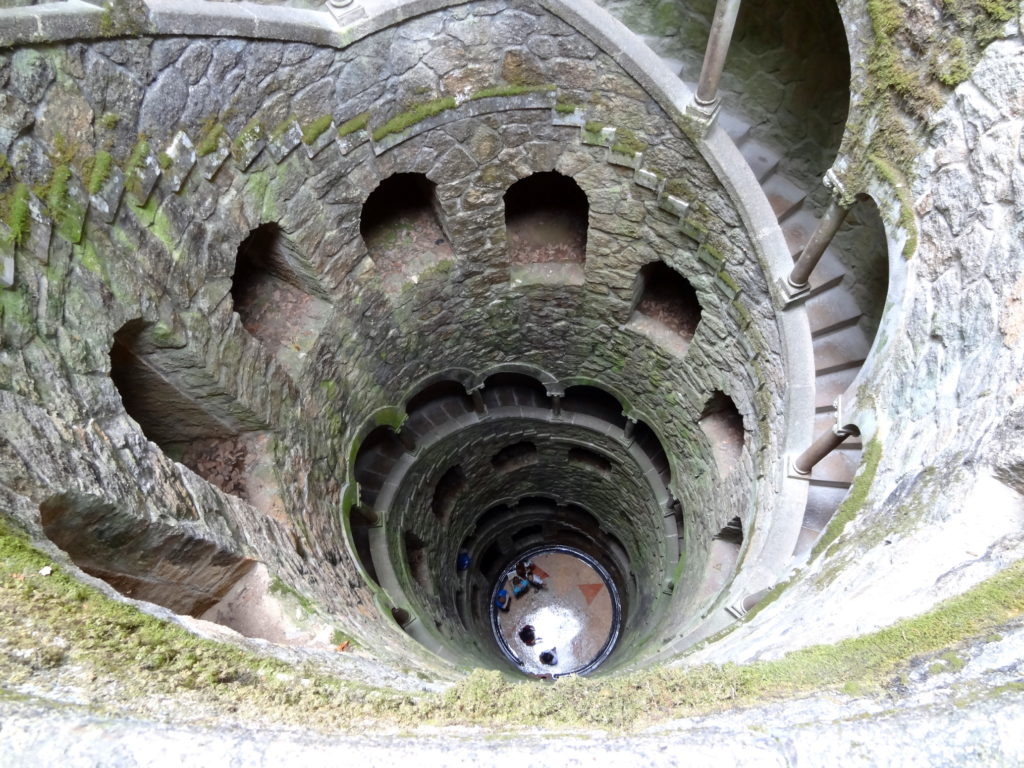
x=528, y=635
x=549, y=658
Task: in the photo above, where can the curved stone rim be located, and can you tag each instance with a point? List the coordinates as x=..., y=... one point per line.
x=609, y=583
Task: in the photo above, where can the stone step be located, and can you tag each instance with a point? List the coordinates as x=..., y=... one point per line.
x=736, y=128
x=822, y=503
x=829, y=386
x=828, y=274
x=838, y=468
x=798, y=228
x=783, y=195
x=805, y=543
x=840, y=349
x=762, y=159
x=831, y=310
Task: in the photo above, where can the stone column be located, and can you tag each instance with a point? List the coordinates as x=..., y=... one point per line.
x=556, y=405
x=627, y=431
x=706, y=99
x=478, y=402
x=828, y=225
x=407, y=439
x=820, y=448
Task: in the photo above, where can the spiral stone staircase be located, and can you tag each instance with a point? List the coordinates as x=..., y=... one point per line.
x=398, y=409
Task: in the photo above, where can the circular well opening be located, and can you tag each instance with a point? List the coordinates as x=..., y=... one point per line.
x=575, y=616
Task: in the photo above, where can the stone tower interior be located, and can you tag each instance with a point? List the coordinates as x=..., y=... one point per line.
x=317, y=318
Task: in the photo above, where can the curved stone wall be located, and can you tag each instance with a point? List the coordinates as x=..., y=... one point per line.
x=138, y=165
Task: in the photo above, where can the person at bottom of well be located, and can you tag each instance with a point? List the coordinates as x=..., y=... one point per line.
x=528, y=634
x=519, y=586
x=502, y=600
x=549, y=657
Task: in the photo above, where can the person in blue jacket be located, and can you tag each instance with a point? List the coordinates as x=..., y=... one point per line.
x=502, y=600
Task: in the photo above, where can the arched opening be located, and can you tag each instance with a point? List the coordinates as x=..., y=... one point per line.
x=647, y=440
x=435, y=405
x=594, y=402
x=160, y=562
x=185, y=410
x=723, y=426
x=447, y=491
x=377, y=456
x=667, y=307
x=402, y=227
x=401, y=616
x=584, y=457
x=515, y=456
x=546, y=219
x=512, y=389
x=276, y=295
x=360, y=523
x=416, y=556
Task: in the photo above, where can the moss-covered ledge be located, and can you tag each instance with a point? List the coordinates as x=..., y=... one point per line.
x=124, y=662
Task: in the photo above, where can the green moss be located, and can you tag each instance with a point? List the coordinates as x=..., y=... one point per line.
x=108, y=120
x=85, y=254
x=314, y=130
x=136, y=658
x=954, y=661
x=565, y=108
x=899, y=184
x=902, y=83
x=164, y=160
x=726, y=278
x=627, y=143
x=338, y=638
x=16, y=214
x=278, y=587
x=855, y=499
x=357, y=123
x=510, y=90
x=593, y=126
x=210, y=140
x=6, y=169
x=281, y=128
x=251, y=133
x=138, y=156
x=412, y=116
x=102, y=163
x=677, y=188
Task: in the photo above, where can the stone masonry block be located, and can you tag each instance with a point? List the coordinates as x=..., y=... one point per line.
x=106, y=201
x=647, y=180
x=212, y=162
x=320, y=142
x=72, y=216
x=248, y=146
x=143, y=178
x=675, y=205
x=352, y=140
x=284, y=142
x=6, y=263
x=38, y=240
x=183, y=158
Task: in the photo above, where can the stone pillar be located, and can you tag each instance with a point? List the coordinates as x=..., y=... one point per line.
x=478, y=402
x=408, y=441
x=627, y=431
x=820, y=448
x=819, y=241
x=706, y=99
x=556, y=405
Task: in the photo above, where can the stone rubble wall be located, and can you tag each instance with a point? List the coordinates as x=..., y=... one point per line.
x=206, y=142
